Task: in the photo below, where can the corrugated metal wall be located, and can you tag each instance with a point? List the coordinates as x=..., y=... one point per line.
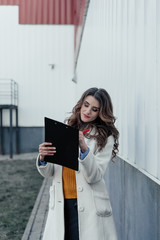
x=120, y=51
x=46, y=12
x=9, y=2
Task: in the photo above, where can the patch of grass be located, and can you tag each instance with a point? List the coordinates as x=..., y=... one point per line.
x=20, y=183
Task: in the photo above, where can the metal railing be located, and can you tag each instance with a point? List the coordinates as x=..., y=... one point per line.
x=8, y=92
x=8, y=101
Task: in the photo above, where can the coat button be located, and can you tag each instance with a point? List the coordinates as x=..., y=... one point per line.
x=81, y=209
x=80, y=189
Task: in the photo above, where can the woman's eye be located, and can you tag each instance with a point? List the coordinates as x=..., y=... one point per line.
x=86, y=105
x=95, y=109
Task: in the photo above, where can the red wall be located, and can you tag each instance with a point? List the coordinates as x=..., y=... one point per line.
x=9, y=2
x=44, y=11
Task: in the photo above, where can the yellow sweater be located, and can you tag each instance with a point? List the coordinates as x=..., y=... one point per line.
x=69, y=183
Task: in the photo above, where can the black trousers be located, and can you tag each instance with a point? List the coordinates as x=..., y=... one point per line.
x=71, y=219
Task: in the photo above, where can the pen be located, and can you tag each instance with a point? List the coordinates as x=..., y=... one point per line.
x=87, y=130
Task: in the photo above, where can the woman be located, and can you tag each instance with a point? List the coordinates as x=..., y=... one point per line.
x=79, y=206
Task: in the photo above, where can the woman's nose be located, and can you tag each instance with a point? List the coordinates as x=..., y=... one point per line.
x=88, y=111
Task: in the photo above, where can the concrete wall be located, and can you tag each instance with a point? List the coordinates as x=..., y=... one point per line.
x=29, y=139
x=26, y=54
x=135, y=200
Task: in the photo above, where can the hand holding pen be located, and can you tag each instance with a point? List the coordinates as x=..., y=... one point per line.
x=82, y=143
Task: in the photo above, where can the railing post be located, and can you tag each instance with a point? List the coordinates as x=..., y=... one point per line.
x=17, y=137
x=9, y=101
x=1, y=132
x=11, y=133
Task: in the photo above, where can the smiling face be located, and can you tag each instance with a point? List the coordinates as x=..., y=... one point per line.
x=89, y=109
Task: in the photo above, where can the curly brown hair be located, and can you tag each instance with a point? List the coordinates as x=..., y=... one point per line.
x=103, y=124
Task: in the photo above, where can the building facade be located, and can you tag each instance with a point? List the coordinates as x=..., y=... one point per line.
x=116, y=46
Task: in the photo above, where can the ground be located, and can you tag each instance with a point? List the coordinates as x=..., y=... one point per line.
x=20, y=183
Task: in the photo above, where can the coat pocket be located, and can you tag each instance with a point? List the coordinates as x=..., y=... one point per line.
x=102, y=204
x=52, y=197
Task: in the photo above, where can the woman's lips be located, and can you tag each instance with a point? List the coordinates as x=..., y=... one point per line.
x=86, y=116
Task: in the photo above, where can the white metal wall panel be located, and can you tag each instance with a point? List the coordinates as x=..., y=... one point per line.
x=139, y=82
x=150, y=86
x=120, y=51
x=158, y=81
x=131, y=136
x=25, y=54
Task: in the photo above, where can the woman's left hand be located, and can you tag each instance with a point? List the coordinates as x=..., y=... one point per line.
x=82, y=143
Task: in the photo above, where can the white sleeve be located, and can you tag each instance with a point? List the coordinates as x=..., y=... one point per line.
x=94, y=166
x=45, y=170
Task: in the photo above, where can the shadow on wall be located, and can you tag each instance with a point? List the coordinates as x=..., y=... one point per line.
x=135, y=200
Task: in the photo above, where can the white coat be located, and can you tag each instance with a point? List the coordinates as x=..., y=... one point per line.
x=95, y=217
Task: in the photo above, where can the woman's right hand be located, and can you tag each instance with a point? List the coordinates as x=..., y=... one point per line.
x=46, y=150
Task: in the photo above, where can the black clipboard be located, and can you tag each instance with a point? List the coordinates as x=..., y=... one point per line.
x=66, y=140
